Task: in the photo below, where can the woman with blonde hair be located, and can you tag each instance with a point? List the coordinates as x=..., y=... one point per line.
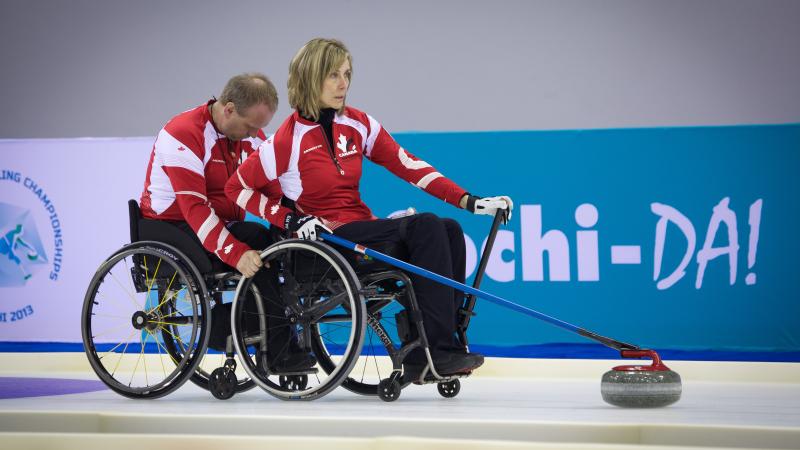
x=315, y=158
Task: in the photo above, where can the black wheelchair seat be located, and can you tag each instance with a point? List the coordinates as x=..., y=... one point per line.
x=162, y=231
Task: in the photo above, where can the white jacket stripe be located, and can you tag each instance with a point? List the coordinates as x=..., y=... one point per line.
x=223, y=236
x=426, y=180
x=374, y=130
x=244, y=197
x=291, y=184
x=241, y=181
x=262, y=206
x=266, y=152
x=410, y=163
x=344, y=120
x=208, y=225
x=173, y=153
x=196, y=194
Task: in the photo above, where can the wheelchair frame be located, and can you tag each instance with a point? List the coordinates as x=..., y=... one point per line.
x=388, y=389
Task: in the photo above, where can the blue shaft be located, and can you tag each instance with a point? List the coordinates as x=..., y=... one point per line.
x=447, y=281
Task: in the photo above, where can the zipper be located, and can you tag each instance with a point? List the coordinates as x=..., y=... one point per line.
x=330, y=150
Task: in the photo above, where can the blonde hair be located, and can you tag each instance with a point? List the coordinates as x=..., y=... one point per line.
x=308, y=70
x=249, y=89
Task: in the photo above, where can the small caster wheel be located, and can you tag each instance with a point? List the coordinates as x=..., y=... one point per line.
x=449, y=389
x=293, y=382
x=222, y=383
x=389, y=390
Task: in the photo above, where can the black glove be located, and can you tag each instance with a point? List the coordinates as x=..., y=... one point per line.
x=306, y=227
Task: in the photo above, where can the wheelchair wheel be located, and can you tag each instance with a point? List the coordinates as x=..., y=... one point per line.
x=316, y=294
x=145, y=320
x=381, y=341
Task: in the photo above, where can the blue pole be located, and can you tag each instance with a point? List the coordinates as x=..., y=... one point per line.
x=447, y=281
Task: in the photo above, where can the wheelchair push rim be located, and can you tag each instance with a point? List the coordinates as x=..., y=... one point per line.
x=330, y=304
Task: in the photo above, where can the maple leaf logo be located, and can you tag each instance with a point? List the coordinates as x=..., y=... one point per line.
x=342, y=144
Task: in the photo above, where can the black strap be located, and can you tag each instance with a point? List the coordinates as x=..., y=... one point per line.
x=471, y=199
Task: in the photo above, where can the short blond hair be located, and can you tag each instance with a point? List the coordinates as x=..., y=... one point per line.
x=308, y=70
x=249, y=89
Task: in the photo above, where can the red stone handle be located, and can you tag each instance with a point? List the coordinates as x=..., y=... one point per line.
x=656, y=366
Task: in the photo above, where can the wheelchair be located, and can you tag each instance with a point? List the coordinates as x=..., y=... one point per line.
x=147, y=315
x=359, y=317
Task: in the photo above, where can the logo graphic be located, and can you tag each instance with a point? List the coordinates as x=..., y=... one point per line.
x=21, y=250
x=343, y=145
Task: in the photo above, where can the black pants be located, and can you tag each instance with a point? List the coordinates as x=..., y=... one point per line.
x=435, y=244
x=257, y=237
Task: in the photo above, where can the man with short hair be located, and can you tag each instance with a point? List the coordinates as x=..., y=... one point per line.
x=192, y=158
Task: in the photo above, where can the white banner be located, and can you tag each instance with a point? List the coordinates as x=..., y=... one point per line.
x=63, y=210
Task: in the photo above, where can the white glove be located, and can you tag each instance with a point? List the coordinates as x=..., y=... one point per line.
x=306, y=227
x=490, y=205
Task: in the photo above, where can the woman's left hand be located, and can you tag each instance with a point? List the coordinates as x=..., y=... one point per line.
x=490, y=205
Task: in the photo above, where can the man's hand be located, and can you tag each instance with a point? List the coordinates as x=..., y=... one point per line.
x=306, y=227
x=249, y=263
x=488, y=205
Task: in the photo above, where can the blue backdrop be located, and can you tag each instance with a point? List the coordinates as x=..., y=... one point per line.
x=680, y=239
x=613, y=187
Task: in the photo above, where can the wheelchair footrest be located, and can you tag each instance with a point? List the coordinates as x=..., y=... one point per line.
x=430, y=379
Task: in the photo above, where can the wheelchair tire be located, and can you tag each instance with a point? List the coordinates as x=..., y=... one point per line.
x=449, y=389
x=120, y=311
x=320, y=294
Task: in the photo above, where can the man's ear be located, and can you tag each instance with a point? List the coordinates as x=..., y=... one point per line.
x=229, y=109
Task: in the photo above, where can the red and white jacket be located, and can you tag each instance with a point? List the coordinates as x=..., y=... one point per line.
x=189, y=165
x=296, y=162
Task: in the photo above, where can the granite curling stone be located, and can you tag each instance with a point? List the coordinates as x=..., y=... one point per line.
x=638, y=386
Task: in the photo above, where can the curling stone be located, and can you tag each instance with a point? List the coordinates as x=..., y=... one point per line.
x=638, y=386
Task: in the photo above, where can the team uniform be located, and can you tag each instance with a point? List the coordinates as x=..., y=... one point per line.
x=185, y=185
x=189, y=165
x=299, y=162
x=318, y=166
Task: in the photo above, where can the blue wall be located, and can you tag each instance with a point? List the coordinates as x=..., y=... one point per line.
x=621, y=174
x=620, y=182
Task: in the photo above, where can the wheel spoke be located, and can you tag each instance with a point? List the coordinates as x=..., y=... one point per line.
x=135, y=303
x=124, y=349
x=166, y=292
x=160, y=356
x=109, y=330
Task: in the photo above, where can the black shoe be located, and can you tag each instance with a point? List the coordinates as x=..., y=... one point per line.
x=445, y=363
x=292, y=362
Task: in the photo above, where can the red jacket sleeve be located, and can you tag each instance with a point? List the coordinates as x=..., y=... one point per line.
x=183, y=163
x=382, y=149
x=255, y=186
